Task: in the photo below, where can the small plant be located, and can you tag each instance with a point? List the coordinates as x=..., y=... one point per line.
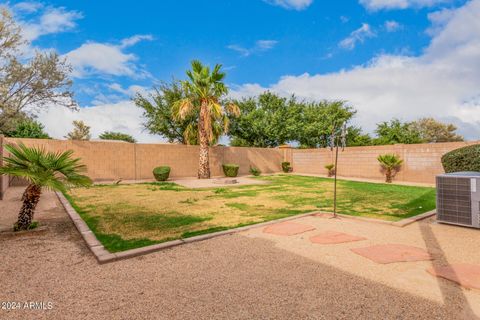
x=462, y=159
x=42, y=170
x=391, y=164
x=255, y=171
x=331, y=169
x=161, y=173
x=286, y=167
x=230, y=169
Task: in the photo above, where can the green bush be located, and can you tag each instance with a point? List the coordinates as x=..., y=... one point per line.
x=255, y=171
x=161, y=173
x=286, y=167
x=331, y=169
x=230, y=170
x=463, y=159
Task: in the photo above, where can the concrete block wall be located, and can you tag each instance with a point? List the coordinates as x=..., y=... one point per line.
x=109, y=160
x=422, y=162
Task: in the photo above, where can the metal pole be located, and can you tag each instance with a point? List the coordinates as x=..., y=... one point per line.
x=335, y=183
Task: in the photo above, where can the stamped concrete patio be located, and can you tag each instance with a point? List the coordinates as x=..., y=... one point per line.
x=252, y=274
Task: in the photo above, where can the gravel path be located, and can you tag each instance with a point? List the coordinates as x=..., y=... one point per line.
x=230, y=277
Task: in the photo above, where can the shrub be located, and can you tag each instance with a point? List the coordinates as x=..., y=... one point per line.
x=331, y=169
x=286, y=167
x=255, y=171
x=230, y=170
x=390, y=164
x=462, y=159
x=161, y=173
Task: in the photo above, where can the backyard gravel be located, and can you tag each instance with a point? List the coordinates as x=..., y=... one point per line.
x=230, y=277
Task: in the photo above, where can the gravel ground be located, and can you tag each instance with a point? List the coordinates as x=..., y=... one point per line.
x=230, y=277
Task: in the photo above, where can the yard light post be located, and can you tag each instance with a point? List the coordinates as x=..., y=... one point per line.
x=338, y=136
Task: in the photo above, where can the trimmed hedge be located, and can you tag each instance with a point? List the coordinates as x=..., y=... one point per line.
x=230, y=169
x=462, y=159
x=286, y=167
x=161, y=173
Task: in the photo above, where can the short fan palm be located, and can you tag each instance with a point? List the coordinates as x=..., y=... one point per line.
x=391, y=164
x=41, y=169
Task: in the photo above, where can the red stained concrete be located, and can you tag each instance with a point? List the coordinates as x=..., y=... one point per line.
x=466, y=275
x=389, y=253
x=288, y=228
x=333, y=237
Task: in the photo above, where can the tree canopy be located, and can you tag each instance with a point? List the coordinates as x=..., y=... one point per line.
x=270, y=120
x=111, y=135
x=80, y=131
x=431, y=130
x=27, y=84
x=28, y=128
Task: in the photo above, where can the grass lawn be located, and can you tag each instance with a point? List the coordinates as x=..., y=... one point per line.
x=130, y=216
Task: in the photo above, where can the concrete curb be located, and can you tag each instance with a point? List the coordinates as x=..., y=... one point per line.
x=103, y=256
x=402, y=223
x=11, y=233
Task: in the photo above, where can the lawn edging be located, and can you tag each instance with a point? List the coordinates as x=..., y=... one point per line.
x=401, y=223
x=104, y=256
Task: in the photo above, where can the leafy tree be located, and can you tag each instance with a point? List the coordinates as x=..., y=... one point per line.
x=269, y=121
x=390, y=164
x=28, y=85
x=110, y=135
x=204, y=90
x=317, y=121
x=432, y=130
x=54, y=171
x=264, y=121
x=80, y=131
x=396, y=132
x=160, y=119
x=29, y=128
x=356, y=138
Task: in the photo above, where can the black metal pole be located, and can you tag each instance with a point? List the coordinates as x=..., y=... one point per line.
x=335, y=183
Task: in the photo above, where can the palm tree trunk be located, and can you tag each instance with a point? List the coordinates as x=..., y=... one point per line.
x=204, y=161
x=30, y=199
x=388, y=176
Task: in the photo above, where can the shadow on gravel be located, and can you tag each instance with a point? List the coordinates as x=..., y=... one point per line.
x=453, y=296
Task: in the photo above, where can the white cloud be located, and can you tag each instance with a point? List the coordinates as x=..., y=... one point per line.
x=27, y=7
x=290, y=4
x=442, y=82
x=133, y=40
x=392, y=26
x=51, y=21
x=359, y=35
x=107, y=59
x=123, y=116
x=438, y=20
x=400, y=4
x=260, y=46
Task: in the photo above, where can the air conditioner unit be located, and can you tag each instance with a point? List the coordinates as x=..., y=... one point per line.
x=458, y=198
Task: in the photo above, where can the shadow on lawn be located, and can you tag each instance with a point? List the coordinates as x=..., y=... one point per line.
x=453, y=296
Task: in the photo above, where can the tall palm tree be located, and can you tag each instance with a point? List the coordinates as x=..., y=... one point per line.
x=204, y=90
x=50, y=170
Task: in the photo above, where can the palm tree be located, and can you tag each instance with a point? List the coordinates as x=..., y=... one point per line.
x=41, y=169
x=391, y=164
x=203, y=91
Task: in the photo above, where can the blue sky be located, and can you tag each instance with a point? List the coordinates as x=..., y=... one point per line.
x=315, y=49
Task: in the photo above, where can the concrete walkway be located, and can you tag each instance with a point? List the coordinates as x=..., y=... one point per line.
x=251, y=275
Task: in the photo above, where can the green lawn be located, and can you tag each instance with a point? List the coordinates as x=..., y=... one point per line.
x=131, y=216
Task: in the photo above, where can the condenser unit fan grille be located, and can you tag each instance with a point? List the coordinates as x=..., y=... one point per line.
x=454, y=203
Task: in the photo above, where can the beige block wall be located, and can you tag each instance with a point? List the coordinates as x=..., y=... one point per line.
x=422, y=162
x=3, y=179
x=107, y=160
